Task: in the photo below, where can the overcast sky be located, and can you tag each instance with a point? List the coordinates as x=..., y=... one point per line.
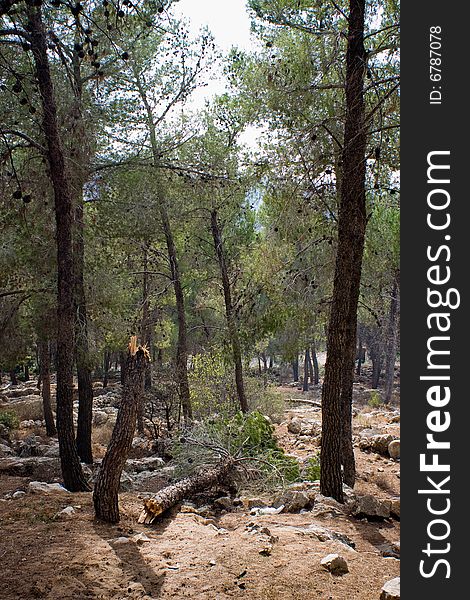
x=228, y=20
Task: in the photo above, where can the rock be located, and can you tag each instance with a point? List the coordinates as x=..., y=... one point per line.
x=391, y=590
x=394, y=449
x=390, y=549
x=100, y=418
x=294, y=426
x=52, y=451
x=67, y=512
x=224, y=502
x=267, y=510
x=148, y=463
x=126, y=482
x=6, y=451
x=395, y=508
x=335, y=564
x=253, y=502
x=377, y=443
x=39, y=467
x=140, y=539
x=27, y=407
x=395, y=419
x=293, y=501
x=120, y=540
x=371, y=507
x=40, y=487
x=18, y=494
x=4, y=432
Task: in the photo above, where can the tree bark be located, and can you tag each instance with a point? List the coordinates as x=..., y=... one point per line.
x=229, y=313
x=70, y=462
x=351, y=232
x=295, y=369
x=391, y=351
x=359, y=356
x=305, y=387
x=45, y=375
x=80, y=155
x=13, y=378
x=105, y=494
x=123, y=365
x=316, y=370
x=146, y=333
x=172, y=494
x=106, y=365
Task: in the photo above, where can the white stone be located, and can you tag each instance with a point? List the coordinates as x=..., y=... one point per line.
x=335, y=564
x=391, y=590
x=40, y=487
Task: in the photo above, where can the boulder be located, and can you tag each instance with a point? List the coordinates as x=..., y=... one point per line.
x=224, y=503
x=391, y=590
x=6, y=451
x=41, y=487
x=371, y=507
x=335, y=564
x=26, y=408
x=377, y=443
x=294, y=426
x=35, y=466
x=293, y=501
x=394, y=449
x=395, y=508
x=148, y=463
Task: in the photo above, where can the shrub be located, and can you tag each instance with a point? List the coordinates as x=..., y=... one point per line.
x=375, y=399
x=312, y=470
x=9, y=419
x=247, y=437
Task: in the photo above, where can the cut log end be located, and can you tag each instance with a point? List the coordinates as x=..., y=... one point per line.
x=151, y=511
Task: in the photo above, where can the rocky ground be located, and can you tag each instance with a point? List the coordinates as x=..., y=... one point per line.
x=294, y=544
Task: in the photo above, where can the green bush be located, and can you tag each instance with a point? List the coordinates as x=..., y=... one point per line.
x=248, y=437
x=375, y=399
x=312, y=470
x=9, y=419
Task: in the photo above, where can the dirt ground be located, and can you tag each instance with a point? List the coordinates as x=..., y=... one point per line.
x=43, y=555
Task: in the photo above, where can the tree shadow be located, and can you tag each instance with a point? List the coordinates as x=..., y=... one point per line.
x=131, y=559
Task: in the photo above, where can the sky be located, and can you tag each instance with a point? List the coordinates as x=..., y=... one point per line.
x=228, y=20
x=229, y=23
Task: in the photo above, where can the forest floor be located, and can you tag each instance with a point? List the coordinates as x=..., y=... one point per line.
x=212, y=556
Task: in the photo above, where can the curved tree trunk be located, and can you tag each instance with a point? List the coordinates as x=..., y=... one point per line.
x=351, y=233
x=231, y=323
x=70, y=462
x=105, y=494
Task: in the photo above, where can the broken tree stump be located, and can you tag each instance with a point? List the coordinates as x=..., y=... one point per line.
x=172, y=494
x=105, y=494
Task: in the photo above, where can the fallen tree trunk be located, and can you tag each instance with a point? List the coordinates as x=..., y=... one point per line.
x=172, y=494
x=305, y=401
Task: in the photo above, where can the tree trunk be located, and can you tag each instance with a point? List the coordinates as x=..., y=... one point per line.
x=26, y=372
x=351, y=232
x=172, y=494
x=391, y=351
x=316, y=370
x=105, y=494
x=375, y=352
x=106, y=365
x=305, y=387
x=295, y=369
x=13, y=378
x=70, y=462
x=182, y=344
x=231, y=323
x=123, y=365
x=82, y=359
x=359, y=356
x=45, y=375
x=146, y=333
